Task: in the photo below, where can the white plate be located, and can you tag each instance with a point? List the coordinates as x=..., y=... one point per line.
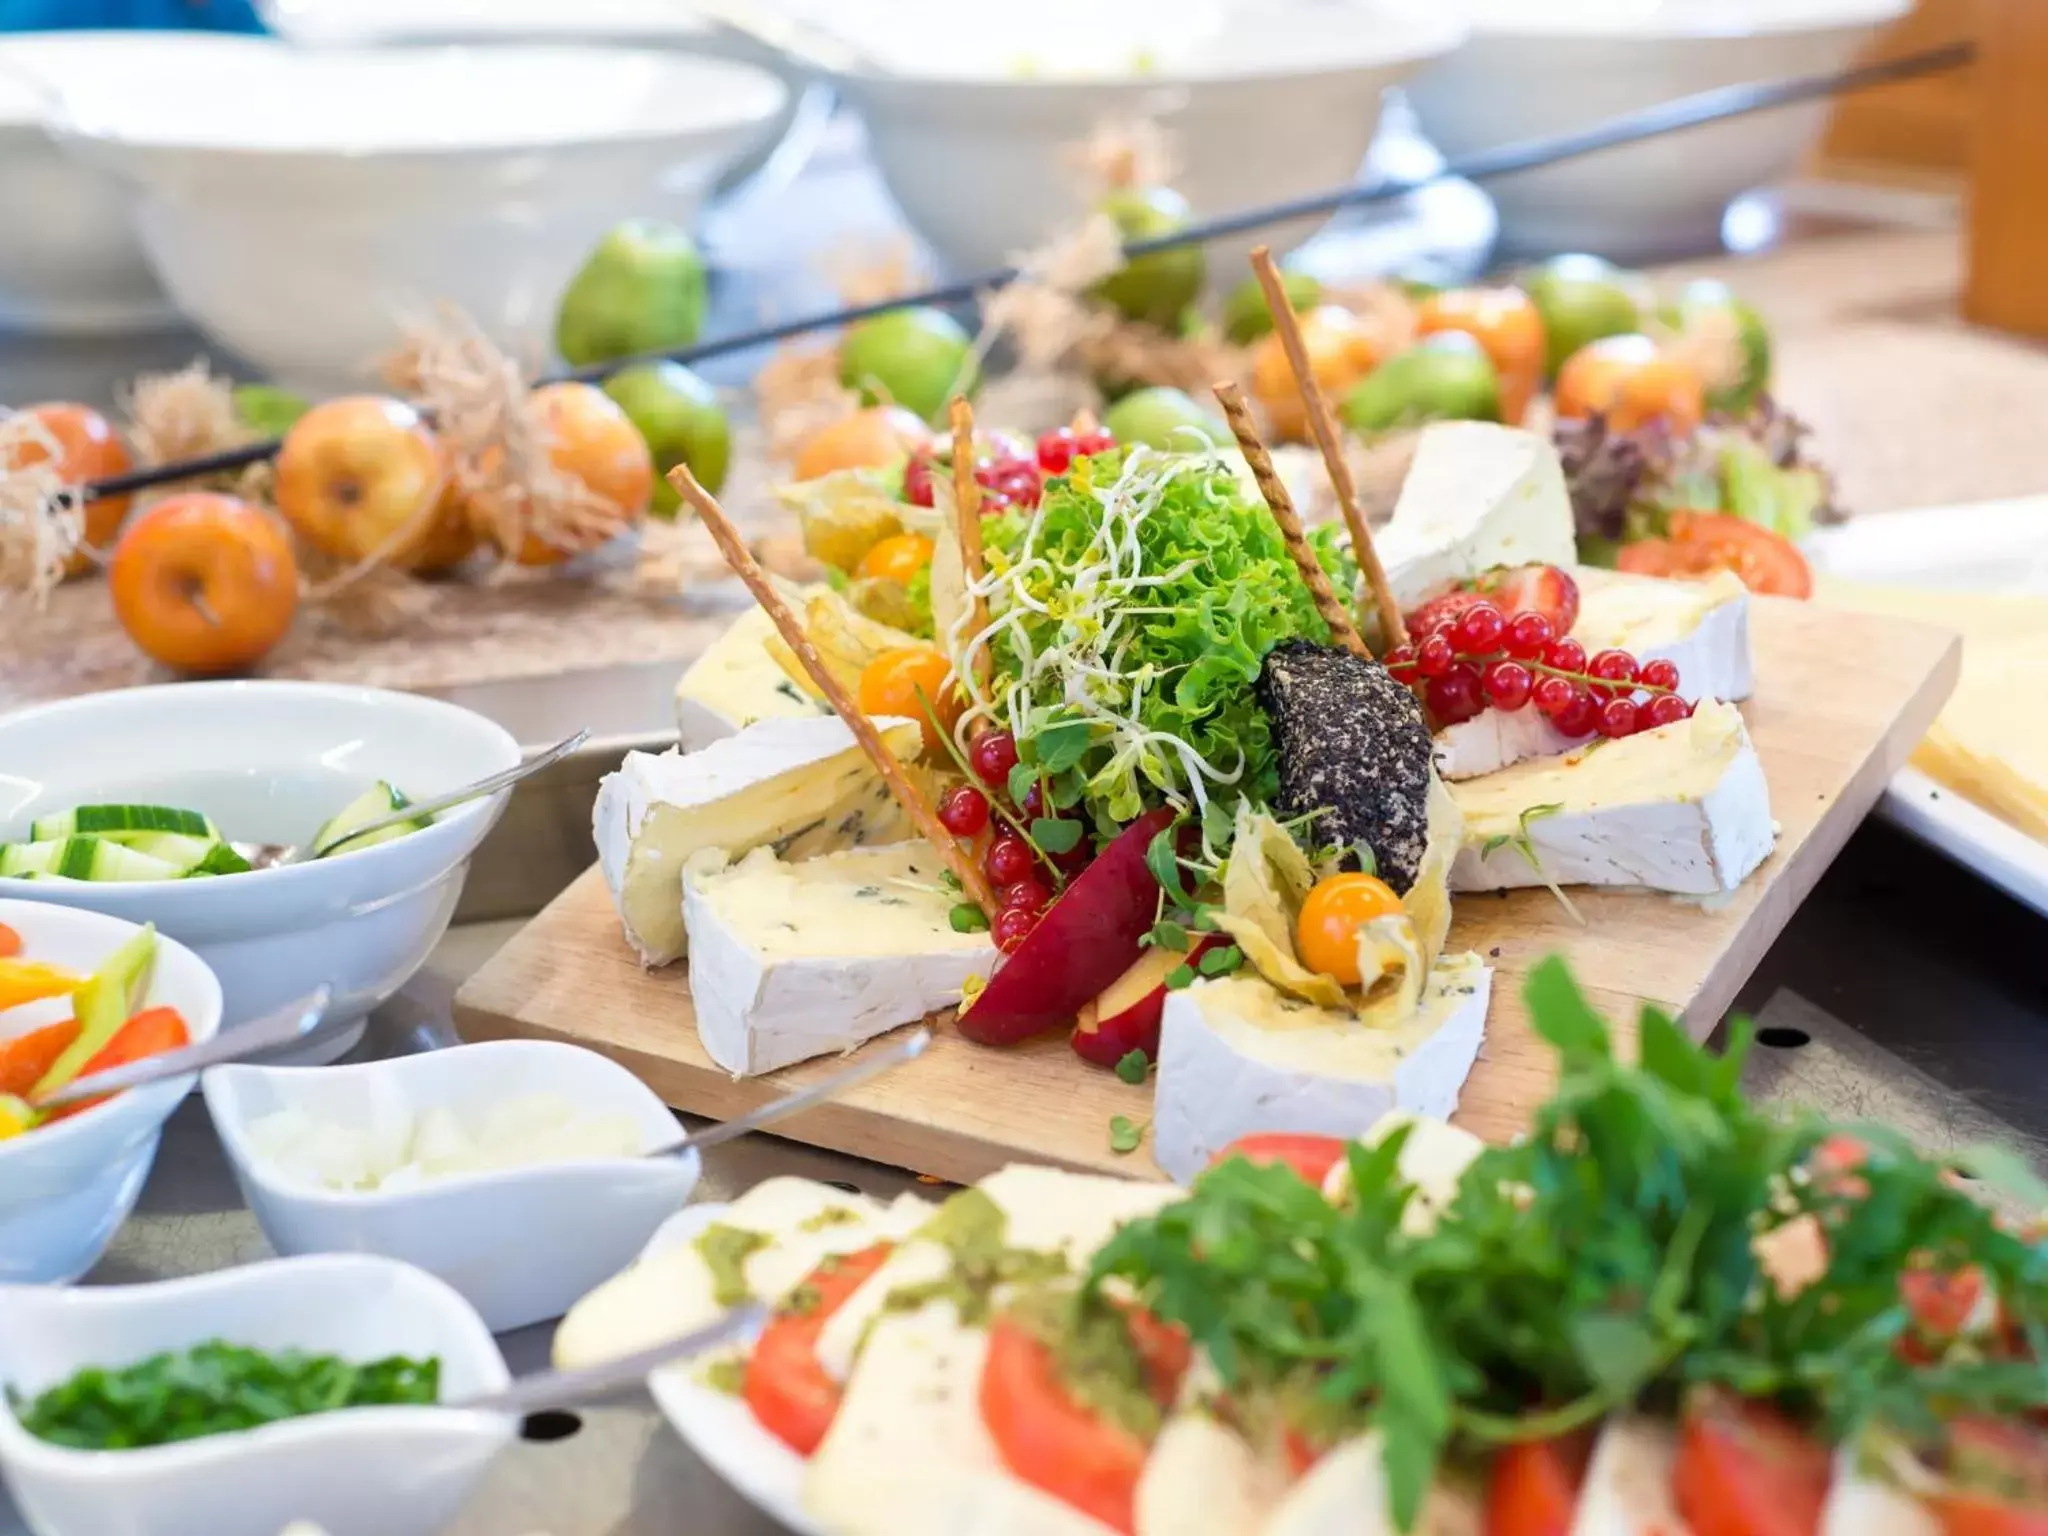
x=1993, y=546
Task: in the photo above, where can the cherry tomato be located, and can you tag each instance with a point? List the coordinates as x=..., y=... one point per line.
x=1509, y=329
x=1745, y=1470
x=897, y=558
x=1701, y=543
x=10, y=942
x=1312, y=1157
x=1532, y=1488
x=1052, y=1441
x=1326, y=933
x=785, y=1386
x=911, y=681
x=1632, y=383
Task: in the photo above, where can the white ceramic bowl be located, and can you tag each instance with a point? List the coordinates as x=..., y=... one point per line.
x=1263, y=102
x=66, y=1189
x=401, y=1471
x=269, y=761
x=521, y=1244
x=1535, y=70
x=300, y=204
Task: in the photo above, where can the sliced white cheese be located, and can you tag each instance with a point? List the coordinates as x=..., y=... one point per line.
x=908, y=1455
x=1345, y=1494
x=1701, y=627
x=790, y=961
x=1433, y=1158
x=1204, y=1479
x=1683, y=808
x=1864, y=1503
x=1628, y=1483
x=735, y=683
x=1477, y=496
x=770, y=784
x=1238, y=1056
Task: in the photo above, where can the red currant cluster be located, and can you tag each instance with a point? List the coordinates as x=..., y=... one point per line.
x=1010, y=862
x=1480, y=657
x=1009, y=478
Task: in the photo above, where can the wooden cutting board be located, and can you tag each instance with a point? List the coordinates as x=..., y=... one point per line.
x=1842, y=698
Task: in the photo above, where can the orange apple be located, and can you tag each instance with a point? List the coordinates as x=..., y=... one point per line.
x=876, y=438
x=1126, y=1017
x=591, y=437
x=357, y=475
x=204, y=583
x=88, y=448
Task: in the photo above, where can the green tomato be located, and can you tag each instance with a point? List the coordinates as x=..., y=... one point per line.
x=1157, y=288
x=1446, y=377
x=642, y=290
x=916, y=358
x=1581, y=300
x=1245, y=315
x=679, y=416
x=1166, y=419
x=1710, y=302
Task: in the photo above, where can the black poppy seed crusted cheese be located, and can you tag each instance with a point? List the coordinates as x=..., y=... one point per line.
x=1353, y=745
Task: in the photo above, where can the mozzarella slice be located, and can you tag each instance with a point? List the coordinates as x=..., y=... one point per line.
x=1203, y=1479
x=1683, y=808
x=794, y=960
x=1477, y=496
x=667, y=1294
x=1045, y=1210
x=1863, y=1504
x=735, y=683
x=1434, y=1158
x=1628, y=1483
x=773, y=783
x=1237, y=1056
x=908, y=1454
x=1345, y=1494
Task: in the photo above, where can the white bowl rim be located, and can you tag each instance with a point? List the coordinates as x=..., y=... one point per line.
x=455, y=1320
x=1505, y=20
x=19, y=107
x=233, y=1132
x=279, y=878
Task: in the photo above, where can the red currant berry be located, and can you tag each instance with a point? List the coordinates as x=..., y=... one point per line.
x=917, y=480
x=1056, y=451
x=1665, y=709
x=1434, y=656
x=1087, y=444
x=1034, y=800
x=1613, y=667
x=1617, y=718
x=993, y=502
x=1021, y=486
x=987, y=473
x=1553, y=695
x=964, y=810
x=1566, y=655
x=1478, y=630
x=1009, y=860
x=1075, y=859
x=1527, y=635
x=1455, y=696
x=1581, y=718
x=1012, y=927
x=1660, y=674
x=993, y=756
x=1507, y=684
x=1030, y=893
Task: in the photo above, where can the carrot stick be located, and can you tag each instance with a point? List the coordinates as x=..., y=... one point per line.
x=24, y=1059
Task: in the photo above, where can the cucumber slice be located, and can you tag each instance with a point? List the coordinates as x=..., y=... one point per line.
x=83, y=858
x=176, y=849
x=117, y=821
x=374, y=803
x=220, y=860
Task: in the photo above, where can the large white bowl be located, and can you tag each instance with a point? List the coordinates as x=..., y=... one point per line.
x=1535, y=70
x=401, y=1471
x=66, y=1189
x=1263, y=102
x=300, y=204
x=269, y=761
x=520, y=1244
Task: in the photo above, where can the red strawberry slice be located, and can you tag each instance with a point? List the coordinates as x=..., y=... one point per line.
x=1540, y=589
x=1441, y=610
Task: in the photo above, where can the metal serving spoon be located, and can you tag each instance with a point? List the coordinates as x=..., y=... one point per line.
x=274, y=855
x=290, y=1023
x=909, y=1048
x=554, y=1389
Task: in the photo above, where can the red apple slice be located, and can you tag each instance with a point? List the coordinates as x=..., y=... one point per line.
x=1126, y=1017
x=1087, y=938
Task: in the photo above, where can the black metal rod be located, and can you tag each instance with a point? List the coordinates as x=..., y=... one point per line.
x=1669, y=117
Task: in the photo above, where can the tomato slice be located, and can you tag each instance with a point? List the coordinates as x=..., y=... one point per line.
x=1532, y=1489
x=1051, y=1441
x=1701, y=543
x=24, y=1059
x=149, y=1033
x=1746, y=1470
x=786, y=1387
x=1312, y=1157
x=1998, y=1486
x=10, y=942
x=1966, y=1514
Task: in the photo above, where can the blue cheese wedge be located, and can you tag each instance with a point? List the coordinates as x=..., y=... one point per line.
x=790, y=960
x=1236, y=1055
x=1477, y=496
x=778, y=782
x=1683, y=808
x=735, y=683
x=1702, y=627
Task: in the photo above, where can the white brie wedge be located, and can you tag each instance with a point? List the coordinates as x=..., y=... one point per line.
x=1236, y=1056
x=776, y=782
x=1683, y=808
x=1477, y=496
x=735, y=683
x=794, y=960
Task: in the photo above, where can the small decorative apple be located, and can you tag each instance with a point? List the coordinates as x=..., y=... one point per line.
x=591, y=437
x=204, y=583
x=1126, y=1017
x=88, y=448
x=356, y=473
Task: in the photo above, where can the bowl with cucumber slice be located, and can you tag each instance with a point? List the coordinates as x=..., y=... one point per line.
x=150, y=805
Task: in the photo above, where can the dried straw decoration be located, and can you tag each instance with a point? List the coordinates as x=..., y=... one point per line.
x=41, y=523
x=190, y=414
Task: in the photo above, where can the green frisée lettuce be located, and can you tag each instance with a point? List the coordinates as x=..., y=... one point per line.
x=1129, y=616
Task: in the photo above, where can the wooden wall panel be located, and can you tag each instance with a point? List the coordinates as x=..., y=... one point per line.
x=1916, y=128
x=2008, y=223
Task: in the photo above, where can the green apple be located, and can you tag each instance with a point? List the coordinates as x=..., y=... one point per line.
x=916, y=358
x=1445, y=377
x=642, y=290
x=1162, y=418
x=1707, y=302
x=1581, y=299
x=1158, y=288
x=680, y=417
x=1245, y=315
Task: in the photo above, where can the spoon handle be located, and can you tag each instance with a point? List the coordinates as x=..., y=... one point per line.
x=909, y=1048
x=554, y=1389
x=468, y=792
x=293, y=1022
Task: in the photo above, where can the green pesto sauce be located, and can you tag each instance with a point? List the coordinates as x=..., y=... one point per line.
x=1092, y=1349
x=973, y=1230
x=831, y=1216
x=727, y=1374
x=726, y=1251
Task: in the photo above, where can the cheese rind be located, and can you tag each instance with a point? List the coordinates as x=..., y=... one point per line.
x=1236, y=1056
x=735, y=683
x=1477, y=496
x=1684, y=808
x=794, y=960
x=776, y=780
